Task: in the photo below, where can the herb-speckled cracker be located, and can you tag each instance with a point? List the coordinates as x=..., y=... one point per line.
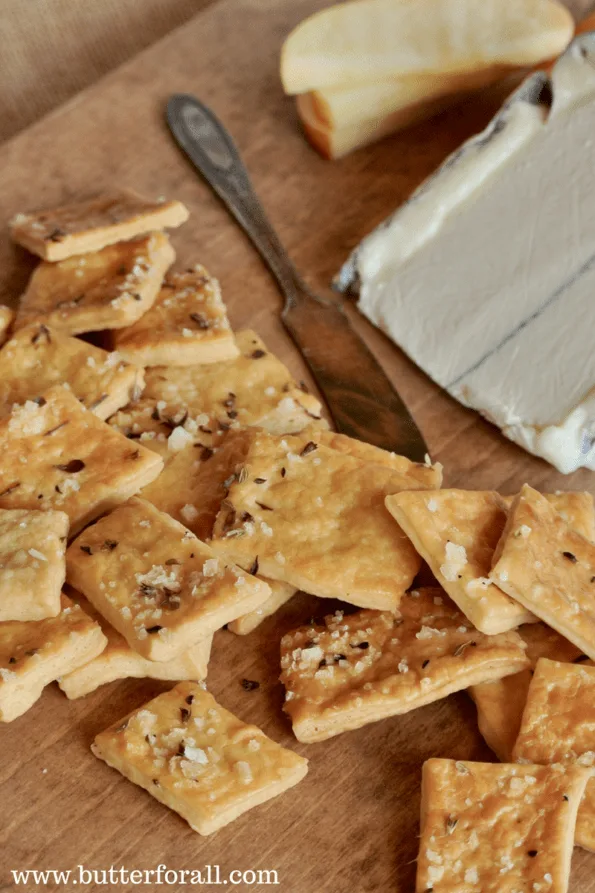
x=489, y=828
x=155, y=582
x=316, y=519
x=576, y=507
x=32, y=567
x=366, y=666
x=106, y=290
x=38, y=357
x=90, y=225
x=150, y=423
x=548, y=568
x=254, y=389
x=500, y=704
x=35, y=653
x=198, y=759
x=558, y=726
x=119, y=661
x=58, y=455
x=186, y=325
x=456, y=532
x=6, y=318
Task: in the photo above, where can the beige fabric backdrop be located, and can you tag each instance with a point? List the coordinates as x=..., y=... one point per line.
x=51, y=49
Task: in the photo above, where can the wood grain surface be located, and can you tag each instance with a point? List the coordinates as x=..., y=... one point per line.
x=352, y=824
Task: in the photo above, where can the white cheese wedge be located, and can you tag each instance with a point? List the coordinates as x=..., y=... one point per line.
x=486, y=276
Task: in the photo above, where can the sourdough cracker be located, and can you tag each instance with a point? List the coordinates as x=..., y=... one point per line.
x=422, y=475
x=119, y=661
x=367, y=666
x=32, y=565
x=58, y=455
x=500, y=704
x=35, y=653
x=6, y=320
x=497, y=828
x=38, y=357
x=187, y=325
x=109, y=289
x=82, y=227
x=156, y=583
x=558, y=727
x=315, y=519
x=548, y=568
x=254, y=389
x=197, y=758
x=456, y=532
x=247, y=623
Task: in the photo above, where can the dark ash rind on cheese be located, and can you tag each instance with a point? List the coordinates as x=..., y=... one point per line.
x=485, y=276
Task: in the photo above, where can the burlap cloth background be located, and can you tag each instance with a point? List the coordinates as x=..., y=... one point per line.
x=51, y=49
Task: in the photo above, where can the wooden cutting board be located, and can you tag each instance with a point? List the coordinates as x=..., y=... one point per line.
x=352, y=824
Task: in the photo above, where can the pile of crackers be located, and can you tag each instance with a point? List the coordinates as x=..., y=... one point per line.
x=163, y=477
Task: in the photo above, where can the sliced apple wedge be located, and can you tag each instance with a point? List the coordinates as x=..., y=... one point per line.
x=363, y=41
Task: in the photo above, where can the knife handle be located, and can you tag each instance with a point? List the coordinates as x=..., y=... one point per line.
x=209, y=145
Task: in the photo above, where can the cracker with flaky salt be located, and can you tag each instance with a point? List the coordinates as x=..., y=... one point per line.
x=166, y=433
x=186, y=325
x=456, y=532
x=32, y=567
x=497, y=828
x=254, y=389
x=548, y=568
x=6, y=319
x=423, y=475
x=500, y=704
x=315, y=518
x=119, y=661
x=38, y=357
x=155, y=582
x=106, y=290
x=558, y=726
x=363, y=667
x=576, y=507
x=198, y=759
x=91, y=225
x=35, y=653
x=58, y=455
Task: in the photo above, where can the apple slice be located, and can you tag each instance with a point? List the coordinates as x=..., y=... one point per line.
x=371, y=40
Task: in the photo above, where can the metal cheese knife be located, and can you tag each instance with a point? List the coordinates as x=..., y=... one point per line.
x=360, y=397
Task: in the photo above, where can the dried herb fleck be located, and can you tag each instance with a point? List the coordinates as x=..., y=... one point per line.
x=154, y=629
x=10, y=489
x=72, y=467
x=42, y=332
x=254, y=569
x=309, y=448
x=570, y=557
x=86, y=550
x=250, y=684
x=200, y=320
x=109, y=546
x=257, y=354
x=260, y=480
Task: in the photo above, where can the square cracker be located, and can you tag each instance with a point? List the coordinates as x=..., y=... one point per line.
x=254, y=389
x=457, y=531
x=500, y=704
x=558, y=726
x=119, y=661
x=363, y=667
x=32, y=566
x=198, y=759
x=186, y=325
x=6, y=319
x=149, y=422
x=315, y=518
x=426, y=476
x=548, y=568
x=58, y=455
x=107, y=290
x=155, y=582
x=35, y=653
x=497, y=828
x=38, y=357
x=91, y=225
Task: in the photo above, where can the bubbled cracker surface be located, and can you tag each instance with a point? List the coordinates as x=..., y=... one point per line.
x=549, y=568
x=208, y=761
x=316, y=519
x=37, y=358
x=254, y=389
x=456, y=532
x=491, y=828
x=58, y=455
x=106, y=289
x=372, y=658
x=558, y=726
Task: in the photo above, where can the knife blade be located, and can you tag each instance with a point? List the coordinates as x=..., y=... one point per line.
x=360, y=397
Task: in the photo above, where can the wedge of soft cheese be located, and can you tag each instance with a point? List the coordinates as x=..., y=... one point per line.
x=486, y=276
